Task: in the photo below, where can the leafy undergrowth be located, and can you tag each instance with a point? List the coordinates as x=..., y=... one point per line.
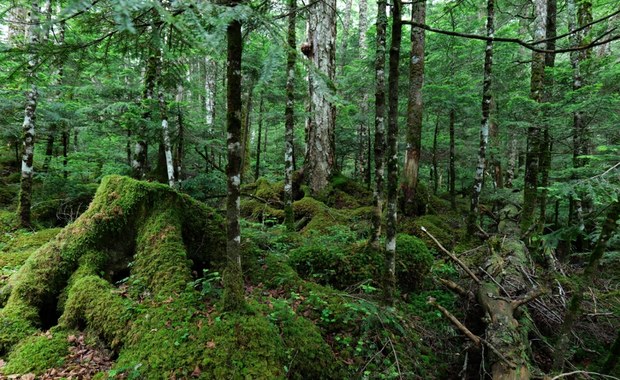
x=136, y=278
x=132, y=290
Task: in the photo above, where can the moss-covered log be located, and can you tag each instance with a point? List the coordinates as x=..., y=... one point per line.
x=133, y=230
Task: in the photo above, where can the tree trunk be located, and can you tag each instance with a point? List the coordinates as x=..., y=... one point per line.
x=545, y=149
x=414, y=107
x=246, y=125
x=320, y=156
x=65, y=151
x=210, y=91
x=233, y=277
x=363, y=157
x=434, y=171
x=378, y=193
x=574, y=306
x=163, y=112
x=532, y=157
x=28, y=127
x=486, y=113
x=452, y=170
x=180, y=153
x=259, y=139
x=513, y=157
x=392, y=155
x=289, y=117
x=495, y=161
x=139, y=163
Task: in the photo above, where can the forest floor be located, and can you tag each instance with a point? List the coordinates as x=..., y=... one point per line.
x=131, y=288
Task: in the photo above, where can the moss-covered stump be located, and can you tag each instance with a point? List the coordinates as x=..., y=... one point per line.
x=143, y=234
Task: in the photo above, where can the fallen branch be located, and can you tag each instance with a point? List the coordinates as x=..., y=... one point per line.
x=530, y=296
x=454, y=258
x=457, y=288
x=583, y=373
x=474, y=338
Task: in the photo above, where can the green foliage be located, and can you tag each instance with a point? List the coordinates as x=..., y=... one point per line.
x=37, y=353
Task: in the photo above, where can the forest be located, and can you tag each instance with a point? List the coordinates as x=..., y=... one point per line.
x=314, y=189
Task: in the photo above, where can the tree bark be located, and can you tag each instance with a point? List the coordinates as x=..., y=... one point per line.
x=28, y=126
x=289, y=117
x=415, y=107
x=246, y=125
x=320, y=154
x=259, y=139
x=486, y=113
x=532, y=157
x=140, y=159
x=163, y=112
x=233, y=277
x=392, y=155
x=363, y=155
x=379, y=147
x=434, y=170
x=180, y=153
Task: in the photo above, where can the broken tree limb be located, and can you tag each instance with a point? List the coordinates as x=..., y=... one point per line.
x=457, y=288
x=473, y=337
x=530, y=296
x=453, y=257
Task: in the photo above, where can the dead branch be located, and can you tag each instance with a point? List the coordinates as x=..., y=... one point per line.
x=453, y=257
x=530, y=296
x=474, y=338
x=457, y=288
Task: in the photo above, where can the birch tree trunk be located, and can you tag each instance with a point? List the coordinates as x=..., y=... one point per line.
x=233, y=277
x=320, y=156
x=378, y=193
x=28, y=126
x=392, y=155
x=289, y=117
x=163, y=112
x=180, y=151
x=415, y=107
x=532, y=156
x=486, y=113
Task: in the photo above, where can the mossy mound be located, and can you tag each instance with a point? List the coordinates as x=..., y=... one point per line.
x=345, y=193
x=446, y=229
x=39, y=352
x=340, y=259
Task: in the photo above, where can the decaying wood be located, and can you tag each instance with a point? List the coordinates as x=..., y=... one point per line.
x=501, y=291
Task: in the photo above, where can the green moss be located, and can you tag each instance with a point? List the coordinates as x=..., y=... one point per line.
x=16, y=323
x=315, y=216
x=446, y=230
x=259, y=211
x=37, y=353
x=413, y=262
x=92, y=302
x=270, y=192
x=161, y=265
